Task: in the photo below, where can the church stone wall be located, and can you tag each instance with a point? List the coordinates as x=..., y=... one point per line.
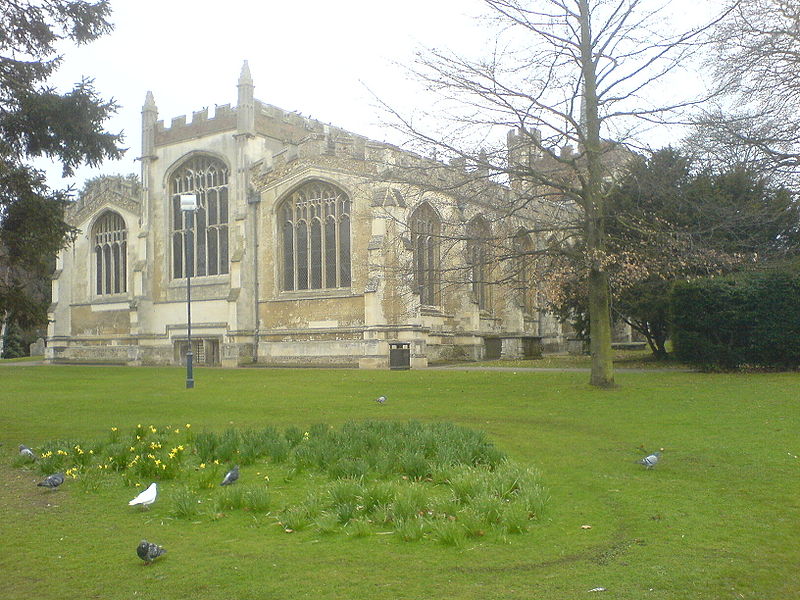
x=87, y=321
x=244, y=316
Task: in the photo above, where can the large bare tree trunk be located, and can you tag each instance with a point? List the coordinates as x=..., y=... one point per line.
x=593, y=204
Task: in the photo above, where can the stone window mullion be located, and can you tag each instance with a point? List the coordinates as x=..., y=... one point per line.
x=207, y=230
x=314, y=257
x=110, y=254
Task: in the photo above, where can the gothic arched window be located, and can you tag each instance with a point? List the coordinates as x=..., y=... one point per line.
x=478, y=234
x=315, y=238
x=523, y=271
x=205, y=231
x=110, y=240
x=426, y=228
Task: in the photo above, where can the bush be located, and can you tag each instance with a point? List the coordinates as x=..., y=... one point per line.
x=747, y=320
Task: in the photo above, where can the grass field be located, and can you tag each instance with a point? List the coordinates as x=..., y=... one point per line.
x=719, y=517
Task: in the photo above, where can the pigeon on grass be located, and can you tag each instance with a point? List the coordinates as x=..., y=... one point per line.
x=26, y=452
x=380, y=399
x=148, y=552
x=650, y=461
x=52, y=481
x=146, y=498
x=231, y=476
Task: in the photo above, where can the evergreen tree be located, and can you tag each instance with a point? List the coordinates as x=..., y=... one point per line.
x=667, y=221
x=37, y=121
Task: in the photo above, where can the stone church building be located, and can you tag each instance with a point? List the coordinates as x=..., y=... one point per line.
x=306, y=248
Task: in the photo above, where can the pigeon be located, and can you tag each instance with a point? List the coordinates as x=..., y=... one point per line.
x=650, y=460
x=26, y=452
x=147, y=497
x=52, y=481
x=380, y=399
x=149, y=552
x=231, y=476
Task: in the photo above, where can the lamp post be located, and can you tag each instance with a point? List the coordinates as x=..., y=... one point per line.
x=189, y=206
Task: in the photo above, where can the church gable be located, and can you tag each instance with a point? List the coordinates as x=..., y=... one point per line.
x=106, y=192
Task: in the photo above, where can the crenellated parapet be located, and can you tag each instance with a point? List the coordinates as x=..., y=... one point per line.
x=180, y=130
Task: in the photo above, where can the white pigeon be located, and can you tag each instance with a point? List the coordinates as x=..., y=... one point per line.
x=26, y=452
x=380, y=399
x=650, y=461
x=147, y=497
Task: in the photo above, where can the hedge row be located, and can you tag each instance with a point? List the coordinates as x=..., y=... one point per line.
x=747, y=320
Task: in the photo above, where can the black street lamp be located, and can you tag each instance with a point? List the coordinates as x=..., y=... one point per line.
x=189, y=206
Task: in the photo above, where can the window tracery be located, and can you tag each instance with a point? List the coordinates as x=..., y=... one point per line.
x=523, y=271
x=204, y=233
x=426, y=227
x=478, y=234
x=110, y=240
x=315, y=232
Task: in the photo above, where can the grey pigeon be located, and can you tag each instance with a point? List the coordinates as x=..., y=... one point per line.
x=26, y=452
x=650, y=461
x=52, y=481
x=380, y=399
x=231, y=476
x=149, y=552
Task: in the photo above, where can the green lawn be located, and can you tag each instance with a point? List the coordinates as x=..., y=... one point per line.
x=717, y=518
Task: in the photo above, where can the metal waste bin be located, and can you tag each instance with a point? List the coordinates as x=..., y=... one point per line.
x=399, y=355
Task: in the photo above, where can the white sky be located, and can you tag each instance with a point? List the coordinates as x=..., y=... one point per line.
x=316, y=57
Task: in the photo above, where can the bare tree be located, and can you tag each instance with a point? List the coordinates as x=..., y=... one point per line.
x=756, y=64
x=566, y=76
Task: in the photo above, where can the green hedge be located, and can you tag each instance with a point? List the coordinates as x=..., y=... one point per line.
x=747, y=320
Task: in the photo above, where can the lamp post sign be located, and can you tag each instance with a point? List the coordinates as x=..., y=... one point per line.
x=189, y=206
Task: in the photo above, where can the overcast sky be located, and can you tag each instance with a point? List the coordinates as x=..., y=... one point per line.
x=320, y=58
x=317, y=57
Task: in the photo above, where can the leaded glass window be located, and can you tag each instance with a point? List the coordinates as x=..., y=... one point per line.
x=426, y=227
x=202, y=234
x=110, y=239
x=478, y=235
x=315, y=231
x=523, y=271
